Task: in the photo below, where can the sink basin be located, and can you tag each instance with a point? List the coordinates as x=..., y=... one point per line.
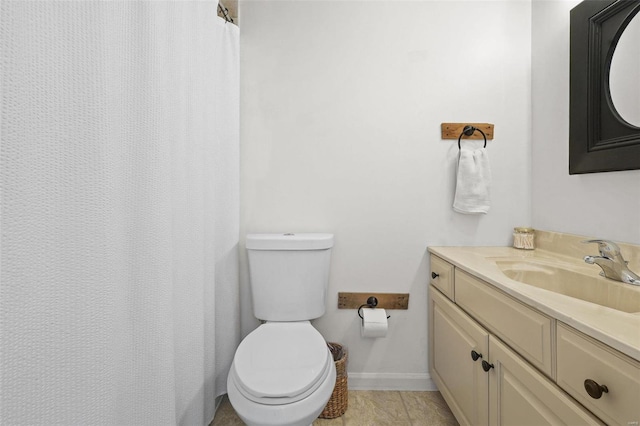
x=591, y=288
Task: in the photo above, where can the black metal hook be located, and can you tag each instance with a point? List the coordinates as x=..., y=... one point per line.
x=372, y=302
x=468, y=131
x=225, y=13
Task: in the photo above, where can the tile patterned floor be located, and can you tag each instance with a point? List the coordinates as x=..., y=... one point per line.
x=373, y=408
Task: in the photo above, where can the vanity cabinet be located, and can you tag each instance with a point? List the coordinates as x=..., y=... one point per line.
x=490, y=356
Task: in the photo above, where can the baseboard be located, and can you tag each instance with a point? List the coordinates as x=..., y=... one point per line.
x=391, y=381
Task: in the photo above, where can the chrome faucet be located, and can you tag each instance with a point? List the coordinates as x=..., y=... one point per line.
x=612, y=263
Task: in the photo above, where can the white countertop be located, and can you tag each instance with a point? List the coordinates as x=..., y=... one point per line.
x=620, y=330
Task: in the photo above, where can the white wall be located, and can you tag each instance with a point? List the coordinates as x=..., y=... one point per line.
x=605, y=205
x=341, y=105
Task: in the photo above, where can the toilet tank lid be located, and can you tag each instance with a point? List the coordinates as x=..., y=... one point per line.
x=289, y=241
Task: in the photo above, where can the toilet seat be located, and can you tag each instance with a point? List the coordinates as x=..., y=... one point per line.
x=281, y=363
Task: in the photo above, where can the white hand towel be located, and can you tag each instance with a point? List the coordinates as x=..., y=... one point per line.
x=473, y=181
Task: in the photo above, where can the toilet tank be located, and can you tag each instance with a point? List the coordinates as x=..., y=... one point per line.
x=289, y=275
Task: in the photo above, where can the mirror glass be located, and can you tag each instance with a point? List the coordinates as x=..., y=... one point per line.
x=624, y=76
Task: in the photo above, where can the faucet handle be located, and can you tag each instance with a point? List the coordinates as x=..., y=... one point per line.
x=606, y=248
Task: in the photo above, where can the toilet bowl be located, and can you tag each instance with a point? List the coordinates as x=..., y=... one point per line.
x=282, y=375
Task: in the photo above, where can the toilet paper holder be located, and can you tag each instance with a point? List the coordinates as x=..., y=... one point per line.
x=372, y=302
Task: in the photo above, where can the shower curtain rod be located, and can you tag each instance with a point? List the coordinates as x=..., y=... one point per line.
x=225, y=13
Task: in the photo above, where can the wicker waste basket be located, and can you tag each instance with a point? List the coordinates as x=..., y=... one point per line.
x=337, y=404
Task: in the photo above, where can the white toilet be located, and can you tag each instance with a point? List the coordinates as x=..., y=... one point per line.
x=283, y=373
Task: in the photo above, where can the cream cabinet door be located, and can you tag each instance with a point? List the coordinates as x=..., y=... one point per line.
x=520, y=395
x=460, y=379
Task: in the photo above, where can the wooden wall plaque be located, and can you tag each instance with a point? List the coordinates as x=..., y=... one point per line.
x=453, y=130
x=385, y=300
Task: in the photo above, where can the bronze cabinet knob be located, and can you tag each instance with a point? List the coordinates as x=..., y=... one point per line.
x=486, y=366
x=594, y=389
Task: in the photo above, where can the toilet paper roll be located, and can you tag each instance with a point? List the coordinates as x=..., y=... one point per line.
x=374, y=323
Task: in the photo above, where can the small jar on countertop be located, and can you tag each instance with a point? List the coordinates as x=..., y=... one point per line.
x=523, y=238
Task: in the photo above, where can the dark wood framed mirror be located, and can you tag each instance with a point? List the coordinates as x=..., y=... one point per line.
x=600, y=138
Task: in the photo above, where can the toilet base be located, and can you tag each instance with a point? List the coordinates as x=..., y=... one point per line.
x=299, y=413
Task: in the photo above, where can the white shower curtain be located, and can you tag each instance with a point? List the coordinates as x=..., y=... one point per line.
x=119, y=174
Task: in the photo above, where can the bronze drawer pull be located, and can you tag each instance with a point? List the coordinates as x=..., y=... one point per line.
x=486, y=366
x=594, y=389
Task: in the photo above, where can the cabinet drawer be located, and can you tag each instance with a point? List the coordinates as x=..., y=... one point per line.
x=581, y=358
x=443, y=281
x=526, y=331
